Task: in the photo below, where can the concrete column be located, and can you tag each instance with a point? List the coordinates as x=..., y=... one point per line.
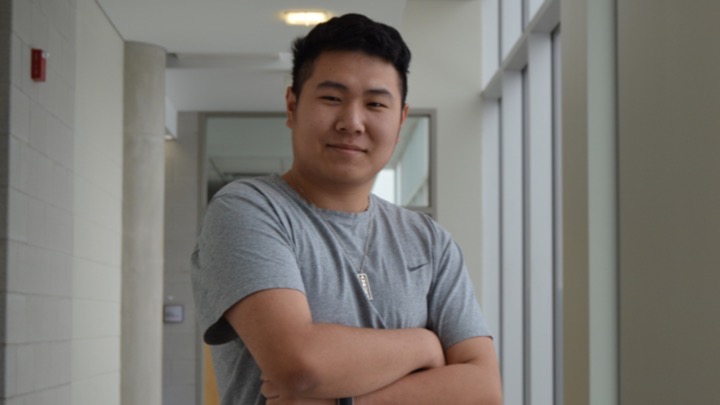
x=143, y=231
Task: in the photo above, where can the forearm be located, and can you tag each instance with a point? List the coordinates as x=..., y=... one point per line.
x=452, y=384
x=317, y=360
x=345, y=361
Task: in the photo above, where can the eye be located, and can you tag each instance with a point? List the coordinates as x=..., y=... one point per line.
x=375, y=104
x=332, y=99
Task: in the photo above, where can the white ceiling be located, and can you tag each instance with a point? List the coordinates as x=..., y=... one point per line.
x=228, y=55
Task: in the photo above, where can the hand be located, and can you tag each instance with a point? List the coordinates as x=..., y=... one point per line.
x=275, y=396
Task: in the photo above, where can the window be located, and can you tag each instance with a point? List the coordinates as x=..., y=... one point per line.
x=520, y=197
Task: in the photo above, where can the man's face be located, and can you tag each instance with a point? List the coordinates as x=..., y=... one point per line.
x=347, y=120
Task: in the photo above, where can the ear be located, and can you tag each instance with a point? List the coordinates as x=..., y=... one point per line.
x=290, y=106
x=403, y=117
x=404, y=114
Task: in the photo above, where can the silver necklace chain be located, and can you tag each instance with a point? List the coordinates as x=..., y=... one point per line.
x=361, y=275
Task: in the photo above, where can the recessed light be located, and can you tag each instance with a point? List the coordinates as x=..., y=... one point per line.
x=305, y=17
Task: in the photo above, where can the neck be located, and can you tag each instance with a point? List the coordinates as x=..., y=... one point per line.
x=347, y=199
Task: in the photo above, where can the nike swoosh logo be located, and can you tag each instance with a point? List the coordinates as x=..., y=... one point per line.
x=417, y=266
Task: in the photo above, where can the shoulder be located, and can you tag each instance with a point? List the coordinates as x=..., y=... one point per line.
x=409, y=221
x=418, y=233
x=255, y=194
x=252, y=188
x=252, y=204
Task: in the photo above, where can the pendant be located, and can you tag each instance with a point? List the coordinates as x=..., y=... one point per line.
x=365, y=284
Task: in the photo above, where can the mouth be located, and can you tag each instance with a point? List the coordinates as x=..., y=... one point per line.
x=347, y=148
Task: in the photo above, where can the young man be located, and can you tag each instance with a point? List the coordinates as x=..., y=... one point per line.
x=312, y=289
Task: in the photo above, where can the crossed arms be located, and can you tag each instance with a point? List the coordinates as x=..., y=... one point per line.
x=307, y=363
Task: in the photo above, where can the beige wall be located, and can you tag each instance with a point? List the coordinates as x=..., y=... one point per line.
x=576, y=382
x=669, y=140
x=589, y=189
x=664, y=173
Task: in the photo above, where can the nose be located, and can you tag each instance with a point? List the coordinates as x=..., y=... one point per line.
x=351, y=120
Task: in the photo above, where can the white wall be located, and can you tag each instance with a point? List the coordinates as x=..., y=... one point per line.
x=63, y=206
x=38, y=294
x=98, y=208
x=445, y=74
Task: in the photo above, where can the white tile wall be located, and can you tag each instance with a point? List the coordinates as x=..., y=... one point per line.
x=59, y=225
x=90, y=70
x=36, y=220
x=35, y=171
x=19, y=114
x=4, y=149
x=11, y=354
x=18, y=222
x=4, y=204
x=87, y=392
x=16, y=71
x=25, y=268
x=25, y=368
x=96, y=167
x=40, y=26
x=22, y=19
x=15, y=154
x=96, y=243
x=61, y=187
x=99, y=356
x=16, y=324
x=95, y=204
x=58, y=139
x=94, y=281
x=57, y=343
x=38, y=128
x=90, y=320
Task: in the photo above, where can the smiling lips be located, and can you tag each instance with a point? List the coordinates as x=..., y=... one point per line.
x=347, y=148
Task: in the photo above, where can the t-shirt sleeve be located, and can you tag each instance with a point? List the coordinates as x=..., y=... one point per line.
x=243, y=247
x=454, y=312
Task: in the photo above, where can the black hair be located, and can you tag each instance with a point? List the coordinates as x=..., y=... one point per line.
x=350, y=32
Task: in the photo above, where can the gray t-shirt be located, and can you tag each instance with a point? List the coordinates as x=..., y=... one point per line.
x=260, y=234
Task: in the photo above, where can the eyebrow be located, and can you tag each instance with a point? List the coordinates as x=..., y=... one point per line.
x=339, y=86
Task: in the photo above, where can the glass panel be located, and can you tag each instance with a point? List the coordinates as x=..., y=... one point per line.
x=532, y=8
x=490, y=39
x=512, y=225
x=539, y=188
x=511, y=13
x=411, y=163
x=491, y=202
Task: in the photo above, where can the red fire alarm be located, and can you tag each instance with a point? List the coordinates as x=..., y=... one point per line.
x=37, y=69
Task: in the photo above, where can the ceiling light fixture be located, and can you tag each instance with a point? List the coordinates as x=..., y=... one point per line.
x=305, y=17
